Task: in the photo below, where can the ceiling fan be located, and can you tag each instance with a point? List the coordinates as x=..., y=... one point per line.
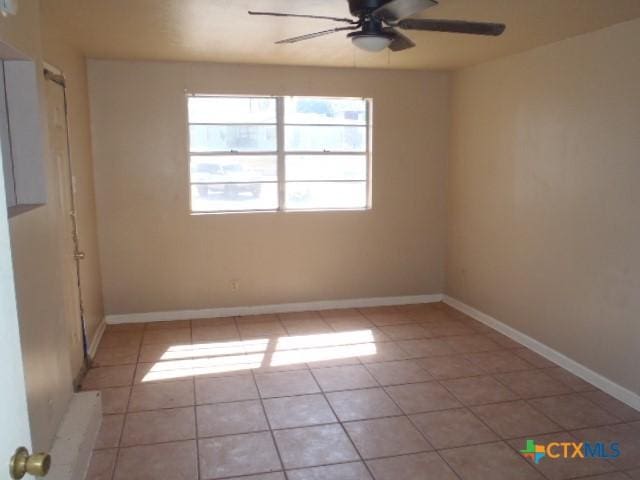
x=378, y=21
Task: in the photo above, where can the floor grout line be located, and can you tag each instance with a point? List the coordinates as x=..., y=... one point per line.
x=344, y=430
x=124, y=418
x=264, y=411
x=353, y=421
x=195, y=416
x=273, y=438
x=383, y=386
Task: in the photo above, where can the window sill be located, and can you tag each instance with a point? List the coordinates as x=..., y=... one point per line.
x=297, y=211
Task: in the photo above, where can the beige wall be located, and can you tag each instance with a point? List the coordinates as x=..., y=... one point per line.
x=543, y=228
x=50, y=361
x=156, y=257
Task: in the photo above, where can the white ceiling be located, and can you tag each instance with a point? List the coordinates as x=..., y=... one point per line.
x=221, y=30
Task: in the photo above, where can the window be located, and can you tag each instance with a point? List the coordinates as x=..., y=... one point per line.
x=278, y=153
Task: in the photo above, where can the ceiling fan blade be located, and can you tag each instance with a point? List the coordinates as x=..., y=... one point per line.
x=453, y=26
x=400, y=41
x=277, y=14
x=398, y=9
x=309, y=36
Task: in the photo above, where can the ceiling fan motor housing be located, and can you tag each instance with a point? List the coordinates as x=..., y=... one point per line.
x=371, y=27
x=359, y=8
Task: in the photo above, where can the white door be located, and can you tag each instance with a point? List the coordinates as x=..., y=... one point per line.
x=14, y=419
x=71, y=254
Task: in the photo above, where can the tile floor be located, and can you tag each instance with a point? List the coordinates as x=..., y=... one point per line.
x=391, y=393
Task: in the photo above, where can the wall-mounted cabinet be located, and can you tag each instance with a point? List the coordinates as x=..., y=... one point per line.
x=22, y=136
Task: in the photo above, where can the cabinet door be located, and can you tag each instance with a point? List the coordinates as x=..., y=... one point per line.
x=26, y=129
x=7, y=165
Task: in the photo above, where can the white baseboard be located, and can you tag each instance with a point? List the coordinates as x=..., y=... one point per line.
x=624, y=395
x=263, y=309
x=76, y=437
x=95, y=341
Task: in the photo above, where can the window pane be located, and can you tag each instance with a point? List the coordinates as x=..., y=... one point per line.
x=232, y=110
x=315, y=195
x=330, y=139
x=326, y=167
x=234, y=168
x=225, y=138
x=234, y=197
x=349, y=111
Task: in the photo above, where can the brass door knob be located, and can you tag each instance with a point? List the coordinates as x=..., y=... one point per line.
x=22, y=463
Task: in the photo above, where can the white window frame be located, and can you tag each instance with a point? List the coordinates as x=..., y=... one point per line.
x=281, y=154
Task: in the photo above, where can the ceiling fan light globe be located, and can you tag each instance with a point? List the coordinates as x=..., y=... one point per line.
x=371, y=43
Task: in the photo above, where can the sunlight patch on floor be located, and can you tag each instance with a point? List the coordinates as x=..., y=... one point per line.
x=182, y=361
x=325, y=340
x=177, y=369
x=311, y=355
x=214, y=349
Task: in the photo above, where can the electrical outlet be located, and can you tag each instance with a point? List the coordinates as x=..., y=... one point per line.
x=50, y=407
x=235, y=285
